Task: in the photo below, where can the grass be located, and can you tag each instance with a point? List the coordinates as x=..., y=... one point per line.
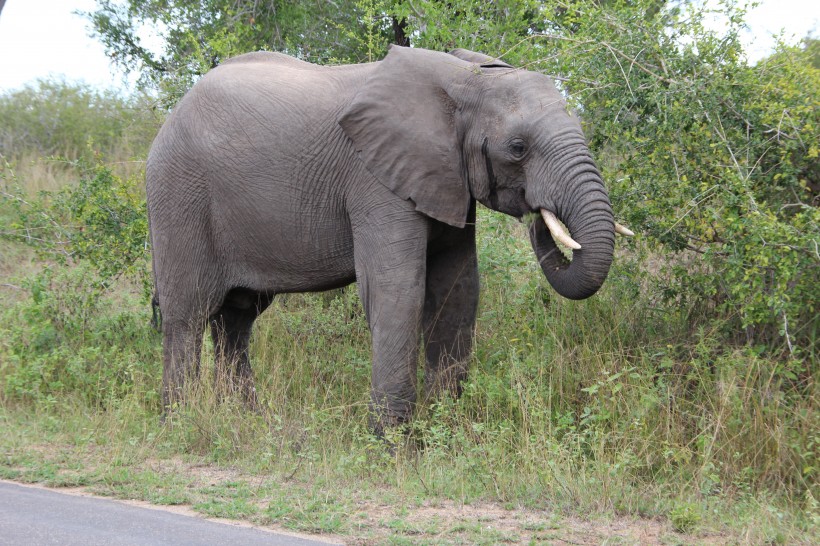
x=609, y=420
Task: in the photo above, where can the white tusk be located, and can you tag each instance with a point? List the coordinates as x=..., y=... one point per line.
x=557, y=230
x=623, y=230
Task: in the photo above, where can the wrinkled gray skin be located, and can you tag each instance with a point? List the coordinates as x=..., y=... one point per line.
x=273, y=175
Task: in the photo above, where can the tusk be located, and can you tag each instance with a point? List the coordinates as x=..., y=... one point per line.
x=557, y=230
x=623, y=230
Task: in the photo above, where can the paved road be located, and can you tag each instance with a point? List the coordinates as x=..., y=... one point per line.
x=33, y=516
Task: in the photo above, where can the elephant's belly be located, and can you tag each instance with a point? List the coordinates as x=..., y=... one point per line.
x=282, y=227
x=289, y=259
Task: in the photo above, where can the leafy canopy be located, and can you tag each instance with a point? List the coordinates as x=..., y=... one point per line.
x=196, y=35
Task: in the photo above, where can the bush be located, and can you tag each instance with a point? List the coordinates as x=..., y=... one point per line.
x=56, y=118
x=706, y=156
x=101, y=220
x=72, y=339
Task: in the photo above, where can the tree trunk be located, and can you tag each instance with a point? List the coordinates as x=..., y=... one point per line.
x=399, y=31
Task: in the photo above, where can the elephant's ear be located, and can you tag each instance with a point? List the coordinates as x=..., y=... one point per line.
x=402, y=121
x=482, y=60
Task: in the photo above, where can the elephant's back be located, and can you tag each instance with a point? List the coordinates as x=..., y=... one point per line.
x=271, y=58
x=263, y=101
x=259, y=112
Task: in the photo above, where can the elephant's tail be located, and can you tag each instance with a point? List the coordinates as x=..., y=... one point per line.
x=156, y=313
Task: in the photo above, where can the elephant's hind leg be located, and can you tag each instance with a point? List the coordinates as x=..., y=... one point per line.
x=450, y=306
x=231, y=329
x=181, y=348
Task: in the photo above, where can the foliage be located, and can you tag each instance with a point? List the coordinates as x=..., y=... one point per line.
x=197, y=36
x=685, y=518
x=101, y=220
x=706, y=154
x=57, y=118
x=72, y=339
x=492, y=27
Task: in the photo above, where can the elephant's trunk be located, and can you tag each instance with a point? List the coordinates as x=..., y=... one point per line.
x=587, y=213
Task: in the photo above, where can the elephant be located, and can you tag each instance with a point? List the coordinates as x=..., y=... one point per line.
x=273, y=175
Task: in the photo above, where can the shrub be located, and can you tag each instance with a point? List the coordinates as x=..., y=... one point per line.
x=102, y=220
x=56, y=118
x=707, y=156
x=72, y=339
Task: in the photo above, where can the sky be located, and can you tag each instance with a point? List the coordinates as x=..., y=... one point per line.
x=46, y=39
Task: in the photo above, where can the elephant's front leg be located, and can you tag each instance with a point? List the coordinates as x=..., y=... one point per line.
x=450, y=307
x=390, y=270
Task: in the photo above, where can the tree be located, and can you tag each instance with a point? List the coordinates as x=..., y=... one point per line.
x=493, y=27
x=197, y=35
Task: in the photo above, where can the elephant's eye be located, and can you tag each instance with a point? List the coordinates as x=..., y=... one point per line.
x=517, y=148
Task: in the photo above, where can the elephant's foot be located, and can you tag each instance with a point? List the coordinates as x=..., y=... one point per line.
x=249, y=397
x=393, y=436
x=444, y=380
x=228, y=385
x=384, y=427
x=390, y=427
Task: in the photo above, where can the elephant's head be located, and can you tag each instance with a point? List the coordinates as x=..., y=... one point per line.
x=443, y=129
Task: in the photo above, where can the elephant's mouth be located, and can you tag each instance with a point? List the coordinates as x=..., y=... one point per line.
x=558, y=232
x=583, y=274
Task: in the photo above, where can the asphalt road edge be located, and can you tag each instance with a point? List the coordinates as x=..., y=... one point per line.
x=179, y=509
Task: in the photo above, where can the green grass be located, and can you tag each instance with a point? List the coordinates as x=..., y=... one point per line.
x=611, y=409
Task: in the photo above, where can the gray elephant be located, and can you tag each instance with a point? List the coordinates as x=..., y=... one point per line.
x=273, y=175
